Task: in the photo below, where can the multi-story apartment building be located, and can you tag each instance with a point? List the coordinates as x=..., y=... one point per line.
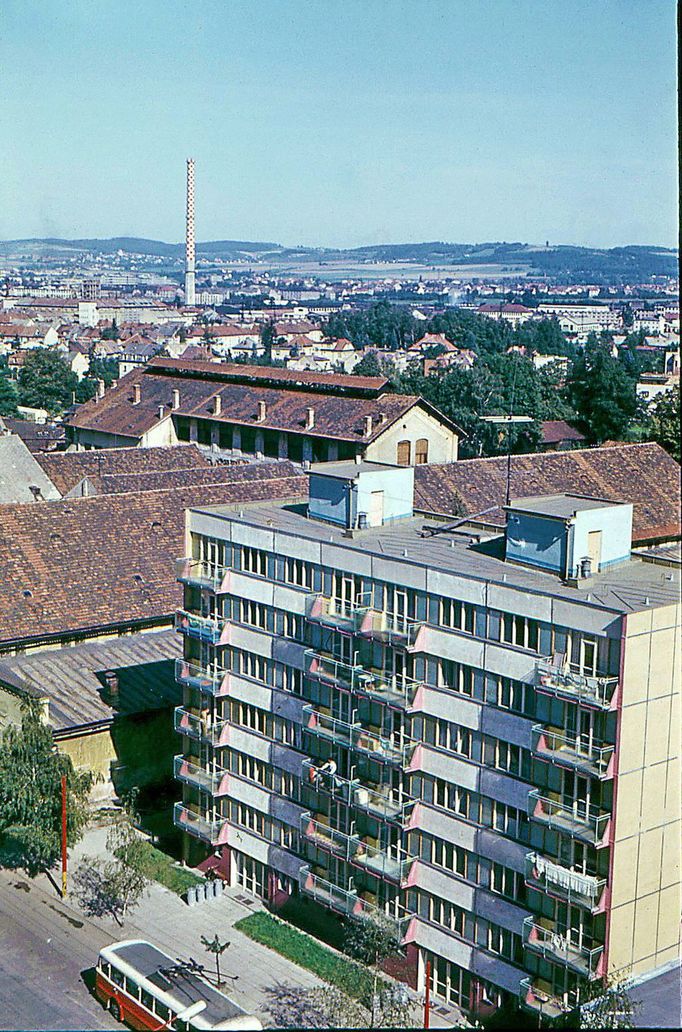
x=477, y=738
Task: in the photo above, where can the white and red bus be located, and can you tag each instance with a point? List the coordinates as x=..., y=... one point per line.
x=144, y=987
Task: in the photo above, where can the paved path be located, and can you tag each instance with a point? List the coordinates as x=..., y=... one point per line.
x=660, y=1001
x=45, y=944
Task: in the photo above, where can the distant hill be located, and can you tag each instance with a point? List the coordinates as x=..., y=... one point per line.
x=560, y=261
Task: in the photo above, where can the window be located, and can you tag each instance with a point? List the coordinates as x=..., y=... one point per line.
x=298, y=572
x=293, y=626
x=520, y=630
x=253, y=613
x=511, y=695
x=117, y=978
x=507, y=882
x=457, y=615
x=421, y=451
x=456, y=677
x=404, y=453
x=254, y=560
x=292, y=680
x=147, y=1000
x=250, y=664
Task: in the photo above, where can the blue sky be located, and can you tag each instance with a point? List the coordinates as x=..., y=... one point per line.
x=341, y=122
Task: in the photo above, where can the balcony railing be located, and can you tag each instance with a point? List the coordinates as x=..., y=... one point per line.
x=198, y=573
x=197, y=776
x=206, y=628
x=205, y=679
x=341, y=614
x=379, y=801
x=547, y=876
x=355, y=850
x=355, y=736
x=545, y=1003
x=562, y=948
x=578, y=819
x=198, y=725
x=573, y=751
x=345, y=901
x=391, y=688
x=564, y=682
x=390, y=628
x=331, y=671
x=208, y=829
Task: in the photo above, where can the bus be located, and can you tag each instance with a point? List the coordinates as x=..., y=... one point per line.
x=142, y=986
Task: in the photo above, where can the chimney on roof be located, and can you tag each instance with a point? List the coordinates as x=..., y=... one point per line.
x=114, y=383
x=217, y=405
x=162, y=411
x=368, y=426
x=136, y=394
x=100, y=388
x=111, y=681
x=175, y=403
x=262, y=411
x=309, y=418
x=382, y=418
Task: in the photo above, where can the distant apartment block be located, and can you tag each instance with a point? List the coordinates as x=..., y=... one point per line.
x=477, y=736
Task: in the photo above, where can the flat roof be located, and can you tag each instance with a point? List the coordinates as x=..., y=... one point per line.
x=631, y=586
x=560, y=506
x=349, y=469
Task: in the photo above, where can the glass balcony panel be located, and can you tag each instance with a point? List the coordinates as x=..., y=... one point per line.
x=380, y=801
x=327, y=838
x=198, y=725
x=208, y=829
x=206, y=628
x=355, y=736
x=562, y=948
x=571, y=750
x=390, y=628
x=204, y=679
x=547, y=876
x=208, y=780
x=380, y=863
x=583, y=821
x=341, y=614
x=554, y=679
x=200, y=574
x=330, y=670
x=537, y=996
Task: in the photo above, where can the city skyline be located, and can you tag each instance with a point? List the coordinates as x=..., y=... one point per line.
x=340, y=128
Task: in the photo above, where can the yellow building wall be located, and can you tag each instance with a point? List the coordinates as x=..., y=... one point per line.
x=96, y=753
x=645, y=917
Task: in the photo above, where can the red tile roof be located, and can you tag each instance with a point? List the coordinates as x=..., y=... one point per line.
x=643, y=474
x=66, y=469
x=556, y=430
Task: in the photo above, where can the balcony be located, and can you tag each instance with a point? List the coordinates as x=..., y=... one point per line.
x=393, y=689
x=379, y=801
x=355, y=850
x=580, y=820
x=331, y=671
x=583, y=890
x=208, y=829
x=203, y=679
x=197, y=573
x=562, y=682
x=541, y=1001
x=345, y=901
x=198, y=725
x=339, y=614
x=562, y=948
x=574, y=751
x=355, y=736
x=198, y=777
x=391, y=629
x=209, y=629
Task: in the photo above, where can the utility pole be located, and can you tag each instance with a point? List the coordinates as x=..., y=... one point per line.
x=427, y=994
x=63, y=836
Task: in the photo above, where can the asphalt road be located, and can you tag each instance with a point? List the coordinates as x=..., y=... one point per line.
x=44, y=949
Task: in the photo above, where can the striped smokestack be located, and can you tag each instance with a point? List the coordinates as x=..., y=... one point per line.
x=190, y=296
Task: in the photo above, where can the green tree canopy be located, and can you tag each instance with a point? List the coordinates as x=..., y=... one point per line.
x=9, y=397
x=30, y=794
x=45, y=381
x=601, y=392
x=664, y=422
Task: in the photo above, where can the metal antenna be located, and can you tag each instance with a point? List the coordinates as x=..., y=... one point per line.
x=511, y=412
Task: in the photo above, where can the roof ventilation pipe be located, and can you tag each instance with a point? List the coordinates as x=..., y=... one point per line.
x=368, y=426
x=262, y=411
x=175, y=403
x=217, y=405
x=309, y=418
x=162, y=411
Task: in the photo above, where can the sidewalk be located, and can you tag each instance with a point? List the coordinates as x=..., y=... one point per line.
x=166, y=920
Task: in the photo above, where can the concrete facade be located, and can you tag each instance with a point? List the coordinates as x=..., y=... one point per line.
x=386, y=722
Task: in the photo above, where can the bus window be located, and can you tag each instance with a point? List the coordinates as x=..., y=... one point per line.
x=132, y=988
x=104, y=967
x=117, y=978
x=162, y=1011
x=147, y=1000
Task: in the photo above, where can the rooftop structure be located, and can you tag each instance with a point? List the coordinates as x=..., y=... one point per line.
x=21, y=477
x=399, y=720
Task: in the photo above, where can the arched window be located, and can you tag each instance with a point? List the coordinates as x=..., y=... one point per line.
x=404, y=453
x=421, y=451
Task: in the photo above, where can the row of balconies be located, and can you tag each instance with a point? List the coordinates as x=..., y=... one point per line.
x=353, y=735
x=360, y=852
x=573, y=750
x=210, y=829
x=393, y=689
x=581, y=820
x=565, y=948
x=349, y=902
x=380, y=801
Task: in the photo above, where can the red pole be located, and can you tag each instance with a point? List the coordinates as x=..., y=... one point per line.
x=63, y=836
x=427, y=1003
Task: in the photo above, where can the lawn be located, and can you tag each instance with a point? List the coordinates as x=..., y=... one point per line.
x=159, y=867
x=305, y=951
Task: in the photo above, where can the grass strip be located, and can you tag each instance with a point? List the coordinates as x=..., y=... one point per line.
x=160, y=867
x=302, y=949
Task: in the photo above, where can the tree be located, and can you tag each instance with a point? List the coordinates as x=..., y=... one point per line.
x=45, y=381
x=664, y=422
x=604, y=1004
x=330, y=1007
x=368, y=365
x=9, y=397
x=601, y=392
x=372, y=940
x=111, y=332
x=113, y=886
x=217, y=948
x=31, y=794
x=268, y=338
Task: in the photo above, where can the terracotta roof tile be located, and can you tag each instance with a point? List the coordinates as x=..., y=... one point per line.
x=66, y=469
